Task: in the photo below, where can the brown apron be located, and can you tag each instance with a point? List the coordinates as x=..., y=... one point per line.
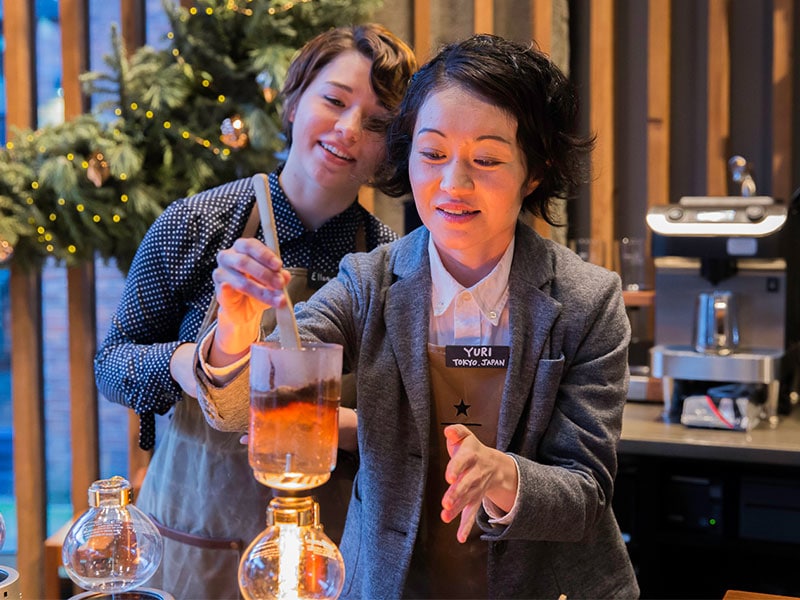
x=441, y=567
x=200, y=490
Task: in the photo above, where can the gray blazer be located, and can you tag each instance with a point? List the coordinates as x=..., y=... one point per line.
x=560, y=418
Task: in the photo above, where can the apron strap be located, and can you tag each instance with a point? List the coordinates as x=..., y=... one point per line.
x=196, y=540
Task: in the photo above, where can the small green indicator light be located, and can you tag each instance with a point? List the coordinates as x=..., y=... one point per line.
x=712, y=521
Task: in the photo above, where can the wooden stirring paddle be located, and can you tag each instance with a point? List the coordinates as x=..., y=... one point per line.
x=288, y=335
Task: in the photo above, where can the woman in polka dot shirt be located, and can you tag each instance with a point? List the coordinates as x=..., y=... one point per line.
x=340, y=91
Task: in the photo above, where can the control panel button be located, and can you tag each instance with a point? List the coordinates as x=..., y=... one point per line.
x=675, y=214
x=754, y=212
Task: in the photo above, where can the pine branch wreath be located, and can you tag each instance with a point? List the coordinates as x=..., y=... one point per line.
x=169, y=123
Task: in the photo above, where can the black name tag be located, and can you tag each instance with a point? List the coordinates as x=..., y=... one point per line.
x=487, y=357
x=317, y=279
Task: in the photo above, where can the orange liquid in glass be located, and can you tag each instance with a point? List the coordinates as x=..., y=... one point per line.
x=294, y=434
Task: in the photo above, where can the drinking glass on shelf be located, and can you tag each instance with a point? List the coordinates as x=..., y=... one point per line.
x=631, y=253
x=589, y=249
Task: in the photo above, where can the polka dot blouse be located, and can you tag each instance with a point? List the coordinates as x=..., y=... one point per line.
x=169, y=285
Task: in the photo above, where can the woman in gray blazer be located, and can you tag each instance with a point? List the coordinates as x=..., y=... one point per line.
x=491, y=363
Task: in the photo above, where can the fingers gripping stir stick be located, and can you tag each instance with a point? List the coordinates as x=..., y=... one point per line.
x=287, y=325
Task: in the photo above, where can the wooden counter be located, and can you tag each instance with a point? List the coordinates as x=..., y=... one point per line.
x=645, y=432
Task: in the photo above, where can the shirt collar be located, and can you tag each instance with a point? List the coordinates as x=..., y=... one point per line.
x=490, y=293
x=291, y=228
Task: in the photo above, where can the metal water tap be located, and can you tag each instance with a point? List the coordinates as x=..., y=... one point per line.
x=740, y=174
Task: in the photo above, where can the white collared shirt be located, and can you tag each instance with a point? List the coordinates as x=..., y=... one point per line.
x=478, y=315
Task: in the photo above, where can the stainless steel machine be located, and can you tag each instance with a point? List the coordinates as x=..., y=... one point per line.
x=747, y=250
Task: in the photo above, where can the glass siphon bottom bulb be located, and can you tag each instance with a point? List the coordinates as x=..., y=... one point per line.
x=113, y=546
x=292, y=557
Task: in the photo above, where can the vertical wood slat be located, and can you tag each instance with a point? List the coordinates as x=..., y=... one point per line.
x=27, y=385
x=601, y=120
x=133, y=21
x=366, y=198
x=18, y=63
x=85, y=447
x=27, y=391
x=542, y=24
x=782, y=97
x=483, y=16
x=659, y=50
x=133, y=18
x=542, y=33
x=422, y=30
x=718, y=113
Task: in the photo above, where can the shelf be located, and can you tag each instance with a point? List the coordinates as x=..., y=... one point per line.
x=639, y=297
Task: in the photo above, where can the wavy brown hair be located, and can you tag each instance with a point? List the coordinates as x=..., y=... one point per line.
x=393, y=64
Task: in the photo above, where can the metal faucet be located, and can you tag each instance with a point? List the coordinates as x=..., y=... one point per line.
x=740, y=174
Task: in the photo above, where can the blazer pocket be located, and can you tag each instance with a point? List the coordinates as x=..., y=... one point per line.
x=545, y=388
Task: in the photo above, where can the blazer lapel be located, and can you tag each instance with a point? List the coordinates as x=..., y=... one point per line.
x=407, y=314
x=532, y=313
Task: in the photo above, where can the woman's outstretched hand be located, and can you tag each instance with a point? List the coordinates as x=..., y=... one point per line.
x=249, y=278
x=475, y=472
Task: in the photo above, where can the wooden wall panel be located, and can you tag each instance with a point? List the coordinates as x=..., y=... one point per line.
x=27, y=391
x=542, y=24
x=133, y=19
x=719, y=84
x=601, y=122
x=483, y=16
x=134, y=35
x=784, y=55
x=84, y=429
x=659, y=23
x=542, y=33
x=27, y=386
x=422, y=30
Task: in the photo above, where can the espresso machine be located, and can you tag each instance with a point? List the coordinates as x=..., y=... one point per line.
x=727, y=304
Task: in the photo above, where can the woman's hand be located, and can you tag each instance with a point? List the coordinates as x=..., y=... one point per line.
x=475, y=471
x=249, y=278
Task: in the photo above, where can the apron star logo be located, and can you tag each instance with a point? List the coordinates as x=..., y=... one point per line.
x=461, y=408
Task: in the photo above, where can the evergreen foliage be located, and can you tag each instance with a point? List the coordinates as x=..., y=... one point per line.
x=168, y=127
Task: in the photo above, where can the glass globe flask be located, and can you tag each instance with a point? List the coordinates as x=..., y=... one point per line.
x=113, y=546
x=292, y=557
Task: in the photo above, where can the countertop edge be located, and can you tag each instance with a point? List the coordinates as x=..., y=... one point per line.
x=644, y=432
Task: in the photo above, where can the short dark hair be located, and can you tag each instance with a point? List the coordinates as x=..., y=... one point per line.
x=518, y=79
x=393, y=63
